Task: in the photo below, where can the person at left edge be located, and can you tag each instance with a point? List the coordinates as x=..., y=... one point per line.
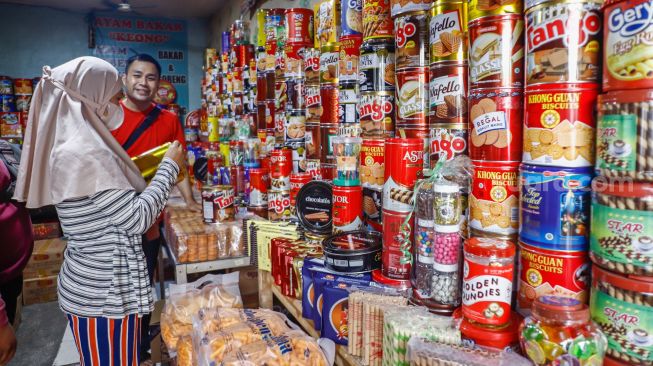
x=71, y=160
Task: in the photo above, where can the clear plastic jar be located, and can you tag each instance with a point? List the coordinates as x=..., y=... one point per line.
x=559, y=332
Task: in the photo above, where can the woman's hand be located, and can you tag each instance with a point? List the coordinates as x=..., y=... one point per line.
x=176, y=153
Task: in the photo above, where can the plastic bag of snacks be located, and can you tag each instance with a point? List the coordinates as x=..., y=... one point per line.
x=210, y=291
x=425, y=353
x=194, y=241
x=217, y=319
x=185, y=353
x=397, y=331
x=291, y=348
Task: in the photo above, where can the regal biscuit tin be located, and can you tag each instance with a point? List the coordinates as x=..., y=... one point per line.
x=448, y=31
x=412, y=40
x=412, y=97
x=485, y=8
x=494, y=199
x=448, y=93
x=559, y=124
x=496, y=53
x=376, y=114
x=555, y=207
x=563, y=42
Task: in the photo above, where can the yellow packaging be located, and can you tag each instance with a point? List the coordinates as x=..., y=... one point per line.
x=483, y=8
x=214, y=135
x=224, y=149
x=448, y=31
x=326, y=22
x=148, y=162
x=260, y=27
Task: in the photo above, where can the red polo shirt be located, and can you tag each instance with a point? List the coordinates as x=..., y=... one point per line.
x=166, y=128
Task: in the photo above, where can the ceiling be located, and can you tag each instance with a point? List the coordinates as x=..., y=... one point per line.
x=150, y=8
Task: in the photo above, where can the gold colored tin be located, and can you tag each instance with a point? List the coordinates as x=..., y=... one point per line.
x=329, y=62
x=148, y=162
x=483, y=8
x=260, y=27
x=448, y=31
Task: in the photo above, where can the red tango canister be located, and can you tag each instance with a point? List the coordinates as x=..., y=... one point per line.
x=487, y=280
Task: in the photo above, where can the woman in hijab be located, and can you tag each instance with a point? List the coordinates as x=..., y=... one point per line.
x=71, y=160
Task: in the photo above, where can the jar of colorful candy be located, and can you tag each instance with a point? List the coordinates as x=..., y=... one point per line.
x=559, y=332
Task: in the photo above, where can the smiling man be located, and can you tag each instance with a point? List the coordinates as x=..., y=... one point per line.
x=145, y=127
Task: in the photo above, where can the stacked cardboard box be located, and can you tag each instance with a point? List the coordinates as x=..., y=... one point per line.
x=40, y=275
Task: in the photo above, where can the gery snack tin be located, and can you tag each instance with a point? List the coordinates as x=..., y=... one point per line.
x=623, y=309
x=376, y=114
x=495, y=121
x=562, y=42
x=448, y=93
x=559, y=125
x=621, y=238
x=377, y=66
x=313, y=103
x=391, y=265
x=625, y=134
x=353, y=252
x=412, y=40
x=351, y=18
x=487, y=8
x=448, y=31
x=403, y=167
x=488, y=272
x=555, y=207
x=314, y=204
x=279, y=205
x=347, y=209
x=377, y=22
x=412, y=96
x=312, y=65
x=446, y=142
x=299, y=26
x=494, y=200
x=627, y=55
x=329, y=104
x=496, y=53
x=329, y=63
x=349, y=58
x=551, y=273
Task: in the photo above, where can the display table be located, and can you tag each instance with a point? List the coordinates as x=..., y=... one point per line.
x=294, y=307
x=183, y=269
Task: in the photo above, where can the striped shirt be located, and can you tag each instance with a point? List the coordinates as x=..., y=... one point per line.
x=104, y=271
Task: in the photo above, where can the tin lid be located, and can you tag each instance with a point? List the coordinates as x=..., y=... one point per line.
x=314, y=204
x=447, y=229
x=626, y=96
x=489, y=247
x=379, y=43
x=632, y=283
x=496, y=337
x=299, y=10
x=532, y=3
x=378, y=277
x=404, y=141
x=355, y=242
x=551, y=171
x=622, y=188
x=560, y=309
x=446, y=188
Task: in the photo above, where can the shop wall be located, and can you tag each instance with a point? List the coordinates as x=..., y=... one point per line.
x=31, y=37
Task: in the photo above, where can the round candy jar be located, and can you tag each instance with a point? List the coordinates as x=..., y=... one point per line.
x=559, y=332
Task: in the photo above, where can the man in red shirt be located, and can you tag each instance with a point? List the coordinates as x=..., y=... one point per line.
x=141, y=80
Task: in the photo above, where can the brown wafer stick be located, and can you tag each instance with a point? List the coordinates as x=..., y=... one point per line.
x=401, y=195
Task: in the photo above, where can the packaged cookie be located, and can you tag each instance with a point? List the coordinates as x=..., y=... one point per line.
x=377, y=22
x=494, y=200
x=559, y=125
x=327, y=15
x=349, y=58
x=351, y=18
x=495, y=117
x=552, y=54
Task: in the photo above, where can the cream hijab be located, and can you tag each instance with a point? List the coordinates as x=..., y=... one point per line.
x=68, y=151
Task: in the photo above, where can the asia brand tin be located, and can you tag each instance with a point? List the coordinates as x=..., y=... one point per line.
x=448, y=93
x=399, y=7
x=349, y=58
x=351, y=18
x=448, y=31
x=347, y=209
x=403, y=167
x=372, y=169
x=624, y=135
x=417, y=132
x=329, y=103
x=327, y=133
x=294, y=61
x=488, y=270
x=376, y=114
x=621, y=230
x=377, y=66
x=486, y=8
x=412, y=40
x=412, y=97
x=259, y=183
x=329, y=62
x=496, y=53
x=312, y=141
x=495, y=117
x=551, y=273
x=627, y=55
x=562, y=42
x=555, y=207
x=279, y=205
x=299, y=26
x=295, y=92
x=392, y=265
x=377, y=22
x=281, y=167
x=326, y=18
x=218, y=203
x=313, y=103
x=559, y=124
x=494, y=199
x=312, y=65
x=447, y=141
x=348, y=103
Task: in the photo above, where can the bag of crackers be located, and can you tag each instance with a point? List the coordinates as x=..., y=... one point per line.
x=210, y=291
